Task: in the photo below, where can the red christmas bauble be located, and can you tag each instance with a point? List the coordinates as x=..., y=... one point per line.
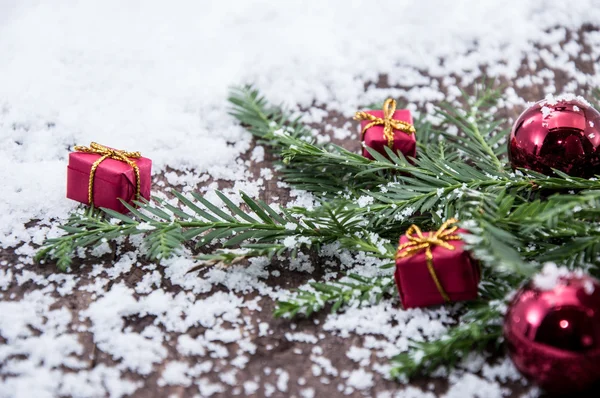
x=559, y=132
x=553, y=336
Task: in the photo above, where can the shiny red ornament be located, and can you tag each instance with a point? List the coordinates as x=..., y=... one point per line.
x=553, y=336
x=561, y=133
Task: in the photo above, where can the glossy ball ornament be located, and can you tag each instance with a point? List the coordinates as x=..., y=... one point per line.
x=553, y=336
x=559, y=132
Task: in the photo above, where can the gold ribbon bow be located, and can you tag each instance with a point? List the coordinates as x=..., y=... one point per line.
x=109, y=153
x=417, y=242
x=388, y=121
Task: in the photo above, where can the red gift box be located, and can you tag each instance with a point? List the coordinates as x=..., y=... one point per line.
x=375, y=137
x=457, y=273
x=114, y=177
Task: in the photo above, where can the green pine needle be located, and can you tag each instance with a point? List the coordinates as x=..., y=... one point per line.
x=350, y=290
x=479, y=328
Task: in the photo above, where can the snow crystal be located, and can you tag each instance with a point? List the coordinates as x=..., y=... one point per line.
x=503, y=371
x=365, y=200
x=290, y=242
x=546, y=111
x=208, y=389
x=307, y=393
x=258, y=154
x=136, y=352
x=282, y=381
x=316, y=370
x=269, y=389
x=470, y=385
x=6, y=277
x=550, y=276
x=551, y=99
x=291, y=226
x=175, y=374
x=301, y=337
x=360, y=379
x=589, y=287
x=266, y=173
x=250, y=387
x=360, y=355
x=263, y=329
x=144, y=226
x=228, y=377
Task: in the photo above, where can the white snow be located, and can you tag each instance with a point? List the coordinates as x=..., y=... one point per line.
x=364, y=201
x=154, y=77
x=551, y=275
x=589, y=287
x=360, y=379
x=546, y=111
x=175, y=374
x=282, y=380
x=301, y=337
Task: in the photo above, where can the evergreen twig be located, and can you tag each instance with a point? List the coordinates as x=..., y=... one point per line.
x=349, y=291
x=479, y=328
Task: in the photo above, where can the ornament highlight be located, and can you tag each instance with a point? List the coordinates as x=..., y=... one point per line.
x=561, y=133
x=553, y=336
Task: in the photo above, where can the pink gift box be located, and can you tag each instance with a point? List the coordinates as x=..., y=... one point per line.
x=457, y=272
x=374, y=138
x=113, y=180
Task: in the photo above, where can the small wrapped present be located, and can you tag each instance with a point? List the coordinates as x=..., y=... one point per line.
x=388, y=127
x=99, y=176
x=434, y=268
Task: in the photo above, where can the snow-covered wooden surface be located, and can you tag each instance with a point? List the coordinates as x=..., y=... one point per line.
x=154, y=77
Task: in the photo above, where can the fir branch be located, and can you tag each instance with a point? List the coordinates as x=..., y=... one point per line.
x=165, y=228
x=438, y=185
x=437, y=178
x=478, y=125
x=488, y=241
x=331, y=169
x=564, y=227
x=78, y=233
x=227, y=257
x=515, y=235
x=479, y=328
x=516, y=220
x=371, y=244
x=322, y=169
x=353, y=290
x=262, y=119
x=438, y=175
x=164, y=242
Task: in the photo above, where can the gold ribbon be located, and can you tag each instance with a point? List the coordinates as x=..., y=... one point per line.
x=109, y=153
x=388, y=121
x=417, y=242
